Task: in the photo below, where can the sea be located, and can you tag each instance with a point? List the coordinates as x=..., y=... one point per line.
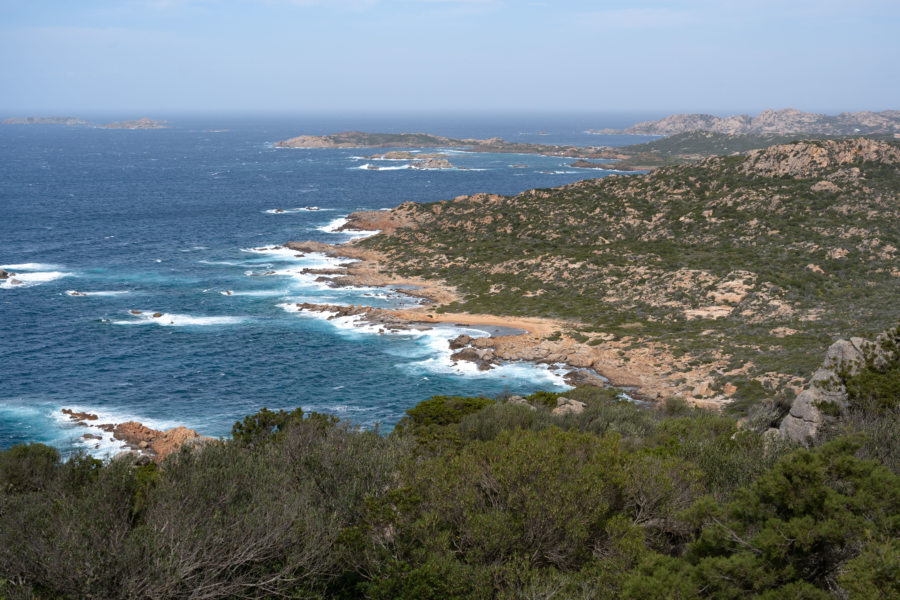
x=105, y=228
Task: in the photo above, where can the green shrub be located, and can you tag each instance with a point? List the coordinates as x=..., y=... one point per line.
x=27, y=468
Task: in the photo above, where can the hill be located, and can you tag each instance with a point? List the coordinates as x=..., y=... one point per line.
x=726, y=278
x=781, y=122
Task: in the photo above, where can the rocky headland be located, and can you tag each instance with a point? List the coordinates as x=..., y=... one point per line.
x=646, y=279
x=785, y=121
x=143, y=443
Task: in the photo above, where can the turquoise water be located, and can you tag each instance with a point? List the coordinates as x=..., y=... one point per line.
x=177, y=221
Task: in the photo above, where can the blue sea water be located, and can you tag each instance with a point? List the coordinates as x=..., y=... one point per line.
x=178, y=221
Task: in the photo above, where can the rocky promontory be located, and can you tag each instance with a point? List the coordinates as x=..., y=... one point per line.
x=153, y=444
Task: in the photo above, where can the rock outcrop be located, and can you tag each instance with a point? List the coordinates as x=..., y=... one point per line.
x=144, y=443
x=431, y=163
x=826, y=394
x=567, y=406
x=809, y=158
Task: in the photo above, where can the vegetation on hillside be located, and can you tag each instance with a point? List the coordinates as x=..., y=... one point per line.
x=752, y=264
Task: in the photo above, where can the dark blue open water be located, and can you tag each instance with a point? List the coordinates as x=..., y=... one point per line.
x=166, y=221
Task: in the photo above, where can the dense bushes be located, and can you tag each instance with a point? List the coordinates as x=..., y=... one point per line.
x=469, y=498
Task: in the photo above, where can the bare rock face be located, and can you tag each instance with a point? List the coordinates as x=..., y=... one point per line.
x=567, y=406
x=826, y=387
x=805, y=159
x=520, y=401
x=460, y=341
x=155, y=443
x=432, y=163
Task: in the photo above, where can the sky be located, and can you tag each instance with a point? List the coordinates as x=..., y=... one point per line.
x=260, y=56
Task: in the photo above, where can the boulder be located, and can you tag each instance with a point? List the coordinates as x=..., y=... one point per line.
x=567, y=406
x=460, y=341
x=5, y=274
x=79, y=416
x=826, y=386
x=520, y=401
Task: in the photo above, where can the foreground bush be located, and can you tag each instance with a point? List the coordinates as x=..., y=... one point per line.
x=469, y=498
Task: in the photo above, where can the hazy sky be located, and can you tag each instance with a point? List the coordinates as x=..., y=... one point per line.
x=436, y=55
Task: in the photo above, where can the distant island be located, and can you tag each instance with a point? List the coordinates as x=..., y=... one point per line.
x=361, y=139
x=143, y=123
x=675, y=149
x=782, y=122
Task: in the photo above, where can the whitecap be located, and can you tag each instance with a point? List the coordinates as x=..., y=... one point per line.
x=371, y=167
x=29, y=279
x=107, y=445
x=334, y=226
x=31, y=267
x=178, y=320
x=98, y=293
x=295, y=210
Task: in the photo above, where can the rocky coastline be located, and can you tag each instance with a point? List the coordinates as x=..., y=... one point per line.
x=649, y=374
x=140, y=443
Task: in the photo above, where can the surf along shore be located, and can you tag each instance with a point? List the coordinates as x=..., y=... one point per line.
x=645, y=374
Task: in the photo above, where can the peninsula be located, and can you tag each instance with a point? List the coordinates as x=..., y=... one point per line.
x=721, y=281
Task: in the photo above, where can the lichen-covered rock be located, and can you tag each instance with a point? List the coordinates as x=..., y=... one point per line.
x=826, y=393
x=567, y=406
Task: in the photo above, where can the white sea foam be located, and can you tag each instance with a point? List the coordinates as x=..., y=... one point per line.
x=371, y=167
x=177, y=320
x=334, y=226
x=433, y=345
x=254, y=293
x=275, y=251
x=293, y=211
x=98, y=293
x=29, y=279
x=31, y=267
x=107, y=445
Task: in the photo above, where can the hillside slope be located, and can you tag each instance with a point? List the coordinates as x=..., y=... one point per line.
x=784, y=121
x=744, y=267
